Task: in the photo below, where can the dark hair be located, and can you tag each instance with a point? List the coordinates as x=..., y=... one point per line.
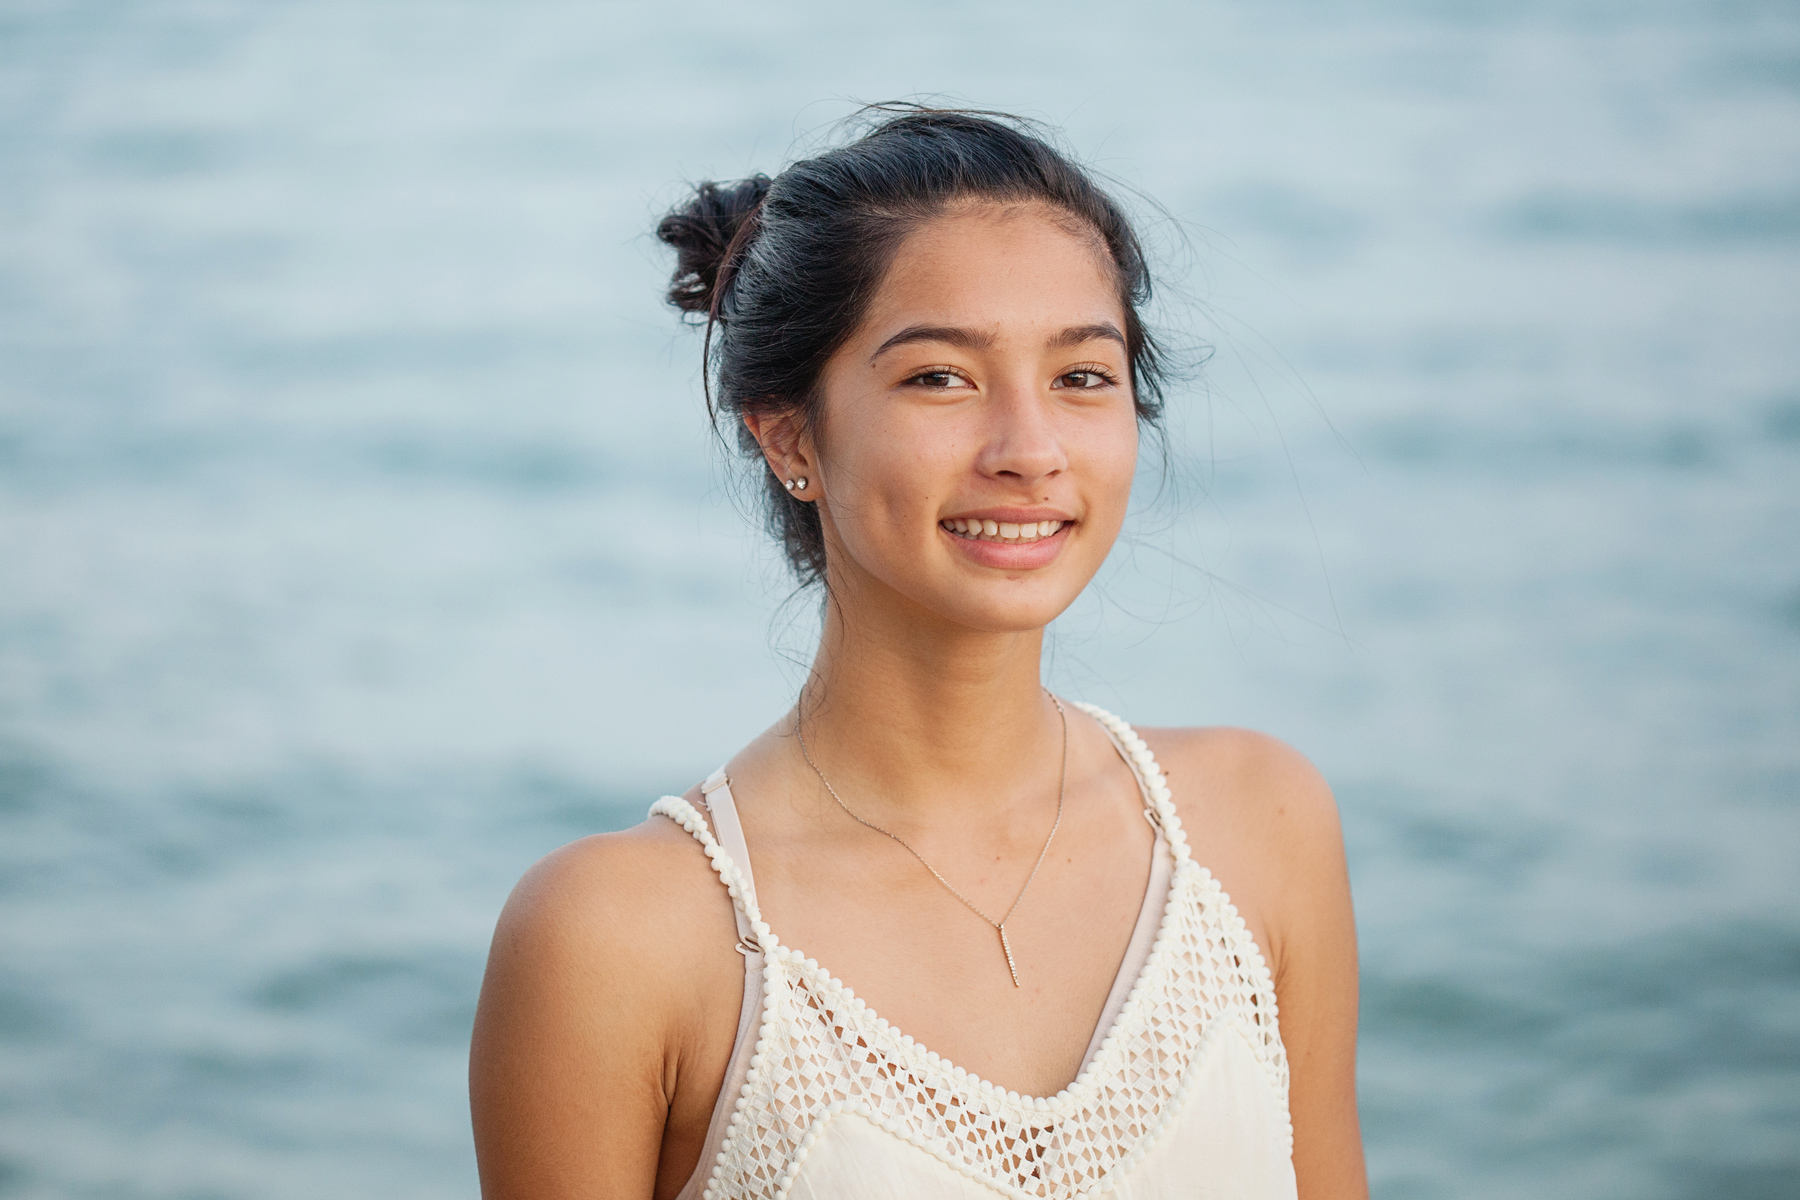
x=782, y=269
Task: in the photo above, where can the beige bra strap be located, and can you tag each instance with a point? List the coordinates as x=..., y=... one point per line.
x=715, y=793
x=730, y=856
x=736, y=880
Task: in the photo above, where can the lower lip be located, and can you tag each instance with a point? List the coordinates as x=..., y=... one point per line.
x=1016, y=556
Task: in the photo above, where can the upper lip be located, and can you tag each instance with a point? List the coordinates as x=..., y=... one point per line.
x=1011, y=516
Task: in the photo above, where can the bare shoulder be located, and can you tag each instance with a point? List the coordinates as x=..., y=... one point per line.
x=614, y=932
x=1257, y=783
x=640, y=893
x=608, y=964
x=1263, y=819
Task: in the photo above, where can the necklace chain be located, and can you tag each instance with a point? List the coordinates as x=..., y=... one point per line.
x=1000, y=925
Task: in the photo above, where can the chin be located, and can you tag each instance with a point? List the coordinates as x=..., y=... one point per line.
x=1001, y=613
x=983, y=601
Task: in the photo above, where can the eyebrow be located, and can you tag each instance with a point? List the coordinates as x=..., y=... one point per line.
x=950, y=335
x=973, y=339
x=1075, y=335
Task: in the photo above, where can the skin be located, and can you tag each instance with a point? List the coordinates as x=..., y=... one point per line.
x=986, y=378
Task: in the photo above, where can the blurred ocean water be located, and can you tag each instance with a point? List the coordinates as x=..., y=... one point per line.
x=361, y=539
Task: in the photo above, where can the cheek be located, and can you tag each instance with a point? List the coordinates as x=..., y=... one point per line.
x=896, y=454
x=886, y=465
x=1108, y=454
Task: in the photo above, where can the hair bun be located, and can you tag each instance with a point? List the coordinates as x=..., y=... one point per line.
x=702, y=232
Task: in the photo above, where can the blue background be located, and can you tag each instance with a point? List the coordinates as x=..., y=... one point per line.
x=361, y=538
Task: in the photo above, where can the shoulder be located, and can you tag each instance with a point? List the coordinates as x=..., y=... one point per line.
x=1258, y=784
x=610, y=977
x=627, y=894
x=614, y=932
x=1264, y=820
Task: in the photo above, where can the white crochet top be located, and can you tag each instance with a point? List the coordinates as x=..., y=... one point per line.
x=1183, y=1093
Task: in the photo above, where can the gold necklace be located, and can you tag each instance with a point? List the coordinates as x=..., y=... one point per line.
x=1000, y=925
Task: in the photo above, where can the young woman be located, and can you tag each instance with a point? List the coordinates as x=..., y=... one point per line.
x=938, y=932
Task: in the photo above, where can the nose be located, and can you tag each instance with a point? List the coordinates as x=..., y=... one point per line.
x=1023, y=446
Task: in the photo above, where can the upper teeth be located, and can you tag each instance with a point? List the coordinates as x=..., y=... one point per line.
x=1004, y=531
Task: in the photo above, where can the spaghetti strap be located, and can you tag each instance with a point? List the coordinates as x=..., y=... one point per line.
x=730, y=856
x=730, y=832
x=716, y=792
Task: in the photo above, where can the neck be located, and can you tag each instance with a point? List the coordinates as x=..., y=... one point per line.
x=913, y=718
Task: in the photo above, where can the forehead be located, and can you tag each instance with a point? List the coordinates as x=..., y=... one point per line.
x=1019, y=267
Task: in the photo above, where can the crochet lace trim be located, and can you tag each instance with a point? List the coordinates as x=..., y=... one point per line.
x=821, y=1050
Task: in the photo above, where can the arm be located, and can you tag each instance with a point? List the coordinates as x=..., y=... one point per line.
x=589, y=1033
x=1312, y=934
x=1273, y=824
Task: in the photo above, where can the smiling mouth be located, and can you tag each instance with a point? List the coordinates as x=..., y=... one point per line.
x=1000, y=531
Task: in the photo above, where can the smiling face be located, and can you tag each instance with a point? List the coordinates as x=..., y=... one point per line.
x=976, y=440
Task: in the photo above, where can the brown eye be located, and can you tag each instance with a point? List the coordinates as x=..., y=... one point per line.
x=941, y=379
x=1083, y=380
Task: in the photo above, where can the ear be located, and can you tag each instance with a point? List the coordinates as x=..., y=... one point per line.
x=787, y=449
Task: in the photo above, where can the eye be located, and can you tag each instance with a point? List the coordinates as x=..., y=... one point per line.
x=941, y=379
x=1084, y=379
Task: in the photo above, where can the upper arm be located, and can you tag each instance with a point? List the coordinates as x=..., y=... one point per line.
x=1313, y=955
x=570, y=1066
x=1278, y=817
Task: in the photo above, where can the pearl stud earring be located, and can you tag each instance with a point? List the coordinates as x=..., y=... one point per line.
x=800, y=484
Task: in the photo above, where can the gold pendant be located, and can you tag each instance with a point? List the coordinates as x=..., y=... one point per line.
x=1007, y=949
